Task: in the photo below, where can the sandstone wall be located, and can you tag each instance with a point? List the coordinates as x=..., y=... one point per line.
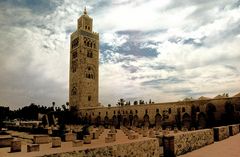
x=144, y=148
x=167, y=111
x=183, y=142
x=221, y=133
x=140, y=111
x=233, y=129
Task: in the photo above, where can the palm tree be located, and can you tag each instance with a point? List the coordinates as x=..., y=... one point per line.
x=53, y=105
x=135, y=102
x=141, y=102
x=67, y=103
x=121, y=102
x=64, y=107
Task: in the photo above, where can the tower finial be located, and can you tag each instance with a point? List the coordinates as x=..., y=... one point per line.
x=85, y=10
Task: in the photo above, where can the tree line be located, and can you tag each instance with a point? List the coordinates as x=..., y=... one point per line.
x=30, y=112
x=122, y=102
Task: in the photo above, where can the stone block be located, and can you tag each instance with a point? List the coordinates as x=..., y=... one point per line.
x=101, y=129
x=181, y=143
x=50, y=131
x=168, y=146
x=70, y=137
x=144, y=133
x=151, y=134
x=221, y=133
x=160, y=139
x=98, y=132
x=139, y=130
x=113, y=130
x=77, y=143
x=56, y=142
x=90, y=128
x=157, y=132
x=193, y=129
x=41, y=139
x=87, y=139
x=16, y=145
x=33, y=147
x=94, y=135
x=109, y=139
x=130, y=132
x=168, y=129
x=166, y=132
x=175, y=130
x=233, y=129
x=184, y=129
x=125, y=131
x=112, y=135
x=133, y=136
x=5, y=141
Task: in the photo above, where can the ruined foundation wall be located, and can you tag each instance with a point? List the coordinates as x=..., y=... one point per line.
x=181, y=143
x=149, y=147
x=234, y=129
x=221, y=133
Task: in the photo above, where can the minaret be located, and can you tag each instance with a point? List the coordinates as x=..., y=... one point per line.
x=84, y=64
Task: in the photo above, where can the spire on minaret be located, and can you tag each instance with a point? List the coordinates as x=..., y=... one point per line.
x=85, y=11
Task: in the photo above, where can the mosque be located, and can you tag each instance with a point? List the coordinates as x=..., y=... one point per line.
x=83, y=94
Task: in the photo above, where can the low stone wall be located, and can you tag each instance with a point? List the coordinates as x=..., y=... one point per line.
x=183, y=142
x=233, y=129
x=221, y=133
x=142, y=148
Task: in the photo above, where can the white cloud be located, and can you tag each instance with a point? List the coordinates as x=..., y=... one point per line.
x=114, y=39
x=197, y=49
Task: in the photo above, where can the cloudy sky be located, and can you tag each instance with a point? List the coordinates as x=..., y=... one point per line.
x=165, y=50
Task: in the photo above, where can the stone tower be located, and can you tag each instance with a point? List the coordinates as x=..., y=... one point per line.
x=84, y=62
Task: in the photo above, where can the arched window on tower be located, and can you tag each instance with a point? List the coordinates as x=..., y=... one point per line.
x=89, y=72
x=75, y=43
x=89, y=54
x=74, y=66
x=89, y=98
x=85, y=41
x=74, y=54
x=74, y=91
x=169, y=110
